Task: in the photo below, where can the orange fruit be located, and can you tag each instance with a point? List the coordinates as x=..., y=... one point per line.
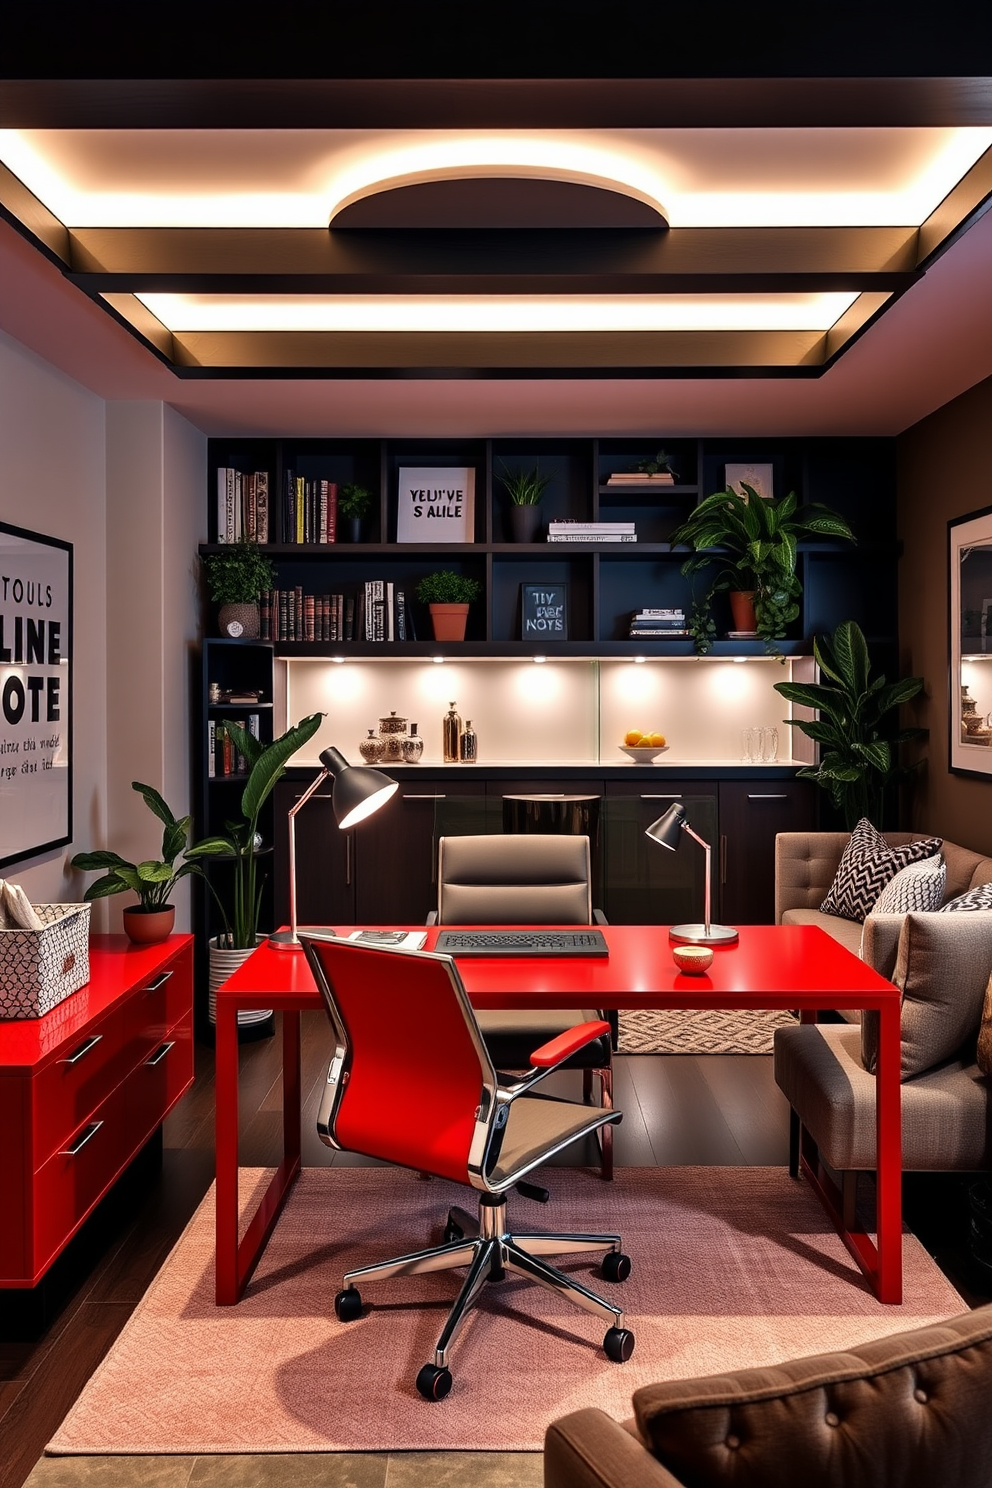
x=632, y=738
x=655, y=740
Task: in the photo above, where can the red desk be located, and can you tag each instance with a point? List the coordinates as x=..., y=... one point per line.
x=773, y=966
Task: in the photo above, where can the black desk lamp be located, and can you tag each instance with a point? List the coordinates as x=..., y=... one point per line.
x=358, y=791
x=667, y=831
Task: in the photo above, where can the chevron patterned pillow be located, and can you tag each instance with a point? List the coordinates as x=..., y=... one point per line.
x=867, y=864
x=977, y=898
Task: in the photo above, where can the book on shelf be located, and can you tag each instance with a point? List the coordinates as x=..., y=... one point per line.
x=242, y=505
x=556, y=528
x=663, y=632
x=592, y=537
x=641, y=478
x=211, y=748
x=671, y=614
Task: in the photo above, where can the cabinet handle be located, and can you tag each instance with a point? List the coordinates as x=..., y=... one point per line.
x=158, y=982
x=769, y=796
x=160, y=1054
x=317, y=796
x=85, y=1135
x=673, y=796
x=723, y=859
x=82, y=1051
x=409, y=796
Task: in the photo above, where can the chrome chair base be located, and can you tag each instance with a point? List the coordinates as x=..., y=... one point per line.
x=486, y=1247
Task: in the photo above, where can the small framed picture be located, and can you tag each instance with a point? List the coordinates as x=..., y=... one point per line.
x=544, y=612
x=759, y=477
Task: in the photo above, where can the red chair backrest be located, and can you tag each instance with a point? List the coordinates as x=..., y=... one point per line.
x=416, y=1065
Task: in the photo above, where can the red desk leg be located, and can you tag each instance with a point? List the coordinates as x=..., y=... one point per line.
x=888, y=1127
x=237, y=1260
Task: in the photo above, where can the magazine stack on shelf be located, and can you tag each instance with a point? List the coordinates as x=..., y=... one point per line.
x=592, y=532
x=657, y=624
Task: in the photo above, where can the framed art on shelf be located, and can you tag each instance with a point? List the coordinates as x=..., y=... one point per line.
x=35, y=693
x=759, y=477
x=436, y=504
x=544, y=612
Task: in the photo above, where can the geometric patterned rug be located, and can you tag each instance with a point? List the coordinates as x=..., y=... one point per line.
x=699, y=1030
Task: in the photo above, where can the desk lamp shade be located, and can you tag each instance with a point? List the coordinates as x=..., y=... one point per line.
x=357, y=792
x=667, y=832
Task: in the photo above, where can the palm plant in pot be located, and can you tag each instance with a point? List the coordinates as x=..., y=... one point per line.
x=238, y=845
x=853, y=727
x=525, y=489
x=448, y=596
x=236, y=578
x=153, y=880
x=756, y=544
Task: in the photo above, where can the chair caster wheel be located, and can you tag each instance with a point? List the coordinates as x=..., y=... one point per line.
x=616, y=1266
x=434, y=1383
x=348, y=1305
x=618, y=1344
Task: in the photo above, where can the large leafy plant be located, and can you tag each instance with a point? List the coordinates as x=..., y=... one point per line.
x=858, y=745
x=746, y=542
x=266, y=765
x=154, y=879
x=238, y=574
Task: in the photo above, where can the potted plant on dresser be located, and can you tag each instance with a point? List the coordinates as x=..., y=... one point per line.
x=448, y=596
x=237, y=577
x=750, y=544
x=153, y=917
x=239, y=845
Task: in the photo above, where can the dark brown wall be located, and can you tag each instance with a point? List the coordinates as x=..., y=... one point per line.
x=944, y=471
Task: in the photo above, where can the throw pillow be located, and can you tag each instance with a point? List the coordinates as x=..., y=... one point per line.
x=984, y=1055
x=942, y=970
x=867, y=864
x=919, y=887
x=978, y=898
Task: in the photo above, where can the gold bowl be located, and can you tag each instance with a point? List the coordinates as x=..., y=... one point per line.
x=692, y=959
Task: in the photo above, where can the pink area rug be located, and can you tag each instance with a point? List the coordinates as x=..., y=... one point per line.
x=731, y=1267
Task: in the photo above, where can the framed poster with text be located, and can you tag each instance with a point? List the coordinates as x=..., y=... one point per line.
x=35, y=693
x=544, y=612
x=436, y=504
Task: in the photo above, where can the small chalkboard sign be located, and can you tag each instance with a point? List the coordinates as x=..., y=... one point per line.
x=544, y=612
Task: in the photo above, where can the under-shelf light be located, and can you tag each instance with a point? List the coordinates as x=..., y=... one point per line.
x=539, y=659
x=438, y=660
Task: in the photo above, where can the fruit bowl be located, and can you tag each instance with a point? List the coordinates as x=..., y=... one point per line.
x=643, y=756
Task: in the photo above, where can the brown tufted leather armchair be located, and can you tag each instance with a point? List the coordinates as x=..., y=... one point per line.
x=907, y=1411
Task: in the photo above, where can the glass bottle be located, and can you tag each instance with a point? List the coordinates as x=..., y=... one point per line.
x=468, y=744
x=451, y=727
x=413, y=746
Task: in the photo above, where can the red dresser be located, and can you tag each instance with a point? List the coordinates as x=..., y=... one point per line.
x=82, y=1090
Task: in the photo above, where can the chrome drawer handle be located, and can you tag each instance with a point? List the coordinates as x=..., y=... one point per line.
x=770, y=796
x=160, y=1054
x=673, y=796
x=85, y=1136
x=409, y=796
x=82, y=1051
x=159, y=982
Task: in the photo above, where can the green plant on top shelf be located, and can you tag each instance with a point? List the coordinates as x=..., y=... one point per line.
x=750, y=544
x=154, y=879
x=661, y=464
x=524, y=487
x=447, y=587
x=239, y=574
x=354, y=501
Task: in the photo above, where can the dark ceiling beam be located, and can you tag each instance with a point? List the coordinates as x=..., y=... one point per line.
x=481, y=103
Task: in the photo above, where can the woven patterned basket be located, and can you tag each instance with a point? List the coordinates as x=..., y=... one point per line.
x=40, y=968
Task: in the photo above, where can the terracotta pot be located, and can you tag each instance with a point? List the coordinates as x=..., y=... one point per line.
x=239, y=621
x=524, y=523
x=742, y=609
x=449, y=621
x=148, y=927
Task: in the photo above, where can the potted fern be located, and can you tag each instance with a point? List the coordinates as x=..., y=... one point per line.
x=237, y=577
x=525, y=489
x=448, y=596
x=748, y=546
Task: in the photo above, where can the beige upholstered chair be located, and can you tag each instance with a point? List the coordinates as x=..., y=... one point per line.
x=905, y=1411
x=528, y=879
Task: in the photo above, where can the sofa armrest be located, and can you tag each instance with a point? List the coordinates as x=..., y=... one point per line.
x=880, y=942
x=588, y=1449
x=805, y=864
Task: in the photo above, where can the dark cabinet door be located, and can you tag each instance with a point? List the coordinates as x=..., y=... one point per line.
x=325, y=859
x=643, y=883
x=396, y=850
x=751, y=814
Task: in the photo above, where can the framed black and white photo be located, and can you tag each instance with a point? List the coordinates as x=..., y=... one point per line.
x=35, y=693
x=544, y=612
x=969, y=576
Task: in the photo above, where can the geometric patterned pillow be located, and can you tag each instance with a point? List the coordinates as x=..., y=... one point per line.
x=867, y=864
x=980, y=898
x=919, y=888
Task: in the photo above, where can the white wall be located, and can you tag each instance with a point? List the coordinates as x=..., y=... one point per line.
x=53, y=481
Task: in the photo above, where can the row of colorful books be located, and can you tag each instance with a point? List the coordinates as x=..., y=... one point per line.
x=243, y=505
x=592, y=532
x=309, y=510
x=222, y=757
x=377, y=612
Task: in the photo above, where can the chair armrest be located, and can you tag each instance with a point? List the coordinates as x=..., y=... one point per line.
x=599, y=918
x=565, y=1044
x=588, y=1449
x=431, y=918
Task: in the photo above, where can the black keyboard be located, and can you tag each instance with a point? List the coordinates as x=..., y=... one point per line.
x=522, y=943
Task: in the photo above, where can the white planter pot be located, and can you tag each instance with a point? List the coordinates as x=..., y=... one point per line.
x=223, y=963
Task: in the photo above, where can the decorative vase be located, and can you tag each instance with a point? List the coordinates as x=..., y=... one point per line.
x=349, y=529
x=413, y=747
x=224, y=962
x=239, y=621
x=742, y=609
x=524, y=523
x=372, y=748
x=449, y=621
x=392, y=732
x=149, y=926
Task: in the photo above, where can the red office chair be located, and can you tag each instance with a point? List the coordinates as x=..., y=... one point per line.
x=410, y=1082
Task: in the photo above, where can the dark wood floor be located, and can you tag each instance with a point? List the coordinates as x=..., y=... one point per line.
x=678, y=1110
